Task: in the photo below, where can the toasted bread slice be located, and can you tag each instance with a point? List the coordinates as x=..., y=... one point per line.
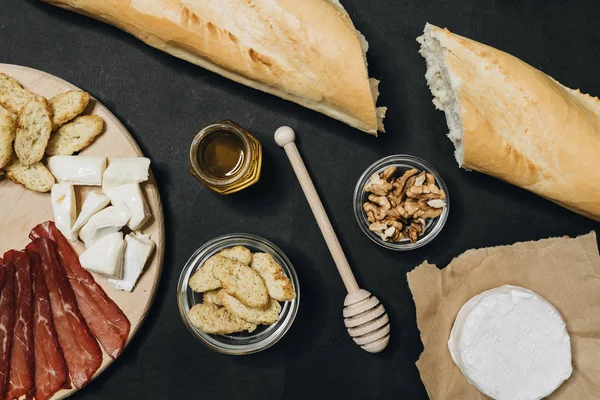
x=278, y=284
x=68, y=105
x=13, y=96
x=266, y=316
x=203, y=279
x=75, y=135
x=34, y=125
x=8, y=124
x=241, y=281
x=212, y=297
x=210, y=318
x=238, y=253
x=34, y=177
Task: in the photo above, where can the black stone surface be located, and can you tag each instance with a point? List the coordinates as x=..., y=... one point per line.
x=164, y=101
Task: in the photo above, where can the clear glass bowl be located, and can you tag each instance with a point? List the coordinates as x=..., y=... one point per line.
x=403, y=162
x=238, y=343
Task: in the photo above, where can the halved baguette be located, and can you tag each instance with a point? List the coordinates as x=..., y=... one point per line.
x=34, y=126
x=34, y=177
x=512, y=121
x=75, y=135
x=308, y=51
x=68, y=105
x=8, y=124
x=12, y=95
x=210, y=318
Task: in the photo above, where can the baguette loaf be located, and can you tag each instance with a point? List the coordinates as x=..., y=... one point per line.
x=512, y=121
x=304, y=51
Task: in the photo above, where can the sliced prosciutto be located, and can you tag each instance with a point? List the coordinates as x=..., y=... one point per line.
x=50, y=367
x=7, y=323
x=102, y=315
x=81, y=351
x=22, y=363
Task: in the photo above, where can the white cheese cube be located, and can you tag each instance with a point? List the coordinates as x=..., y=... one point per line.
x=105, y=222
x=93, y=203
x=78, y=170
x=105, y=256
x=126, y=170
x=63, y=201
x=138, y=251
x=130, y=195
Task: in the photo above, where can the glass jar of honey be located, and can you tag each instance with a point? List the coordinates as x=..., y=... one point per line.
x=225, y=157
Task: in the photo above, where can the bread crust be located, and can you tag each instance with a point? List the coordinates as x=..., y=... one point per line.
x=522, y=126
x=304, y=51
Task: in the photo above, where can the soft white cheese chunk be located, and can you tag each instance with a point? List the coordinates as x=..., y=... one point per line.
x=130, y=195
x=78, y=170
x=63, y=201
x=105, y=256
x=104, y=222
x=93, y=203
x=138, y=251
x=126, y=170
x=511, y=344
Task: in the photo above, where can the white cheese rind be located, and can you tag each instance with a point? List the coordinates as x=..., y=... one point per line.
x=131, y=196
x=137, y=252
x=121, y=171
x=77, y=170
x=511, y=344
x=63, y=201
x=93, y=203
x=105, y=256
x=105, y=222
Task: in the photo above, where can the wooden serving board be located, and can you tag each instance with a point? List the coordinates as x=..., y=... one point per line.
x=24, y=209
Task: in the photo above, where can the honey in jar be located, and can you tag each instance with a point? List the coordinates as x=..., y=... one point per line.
x=225, y=157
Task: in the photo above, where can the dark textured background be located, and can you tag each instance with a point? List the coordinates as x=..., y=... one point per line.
x=164, y=101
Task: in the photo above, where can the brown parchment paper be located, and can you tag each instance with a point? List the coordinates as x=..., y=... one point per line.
x=564, y=271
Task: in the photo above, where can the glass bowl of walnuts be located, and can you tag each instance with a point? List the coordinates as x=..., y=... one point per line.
x=401, y=202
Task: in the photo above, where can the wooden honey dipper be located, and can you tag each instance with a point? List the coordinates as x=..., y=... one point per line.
x=364, y=316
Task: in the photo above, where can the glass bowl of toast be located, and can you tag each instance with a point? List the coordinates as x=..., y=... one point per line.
x=238, y=294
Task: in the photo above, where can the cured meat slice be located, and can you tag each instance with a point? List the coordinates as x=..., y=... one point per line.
x=81, y=351
x=50, y=367
x=7, y=323
x=22, y=363
x=102, y=315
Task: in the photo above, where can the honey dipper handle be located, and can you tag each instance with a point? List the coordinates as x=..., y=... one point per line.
x=285, y=138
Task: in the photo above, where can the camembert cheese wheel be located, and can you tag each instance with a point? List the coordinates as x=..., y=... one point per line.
x=511, y=344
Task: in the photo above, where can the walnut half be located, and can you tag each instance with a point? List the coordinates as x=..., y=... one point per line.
x=398, y=208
